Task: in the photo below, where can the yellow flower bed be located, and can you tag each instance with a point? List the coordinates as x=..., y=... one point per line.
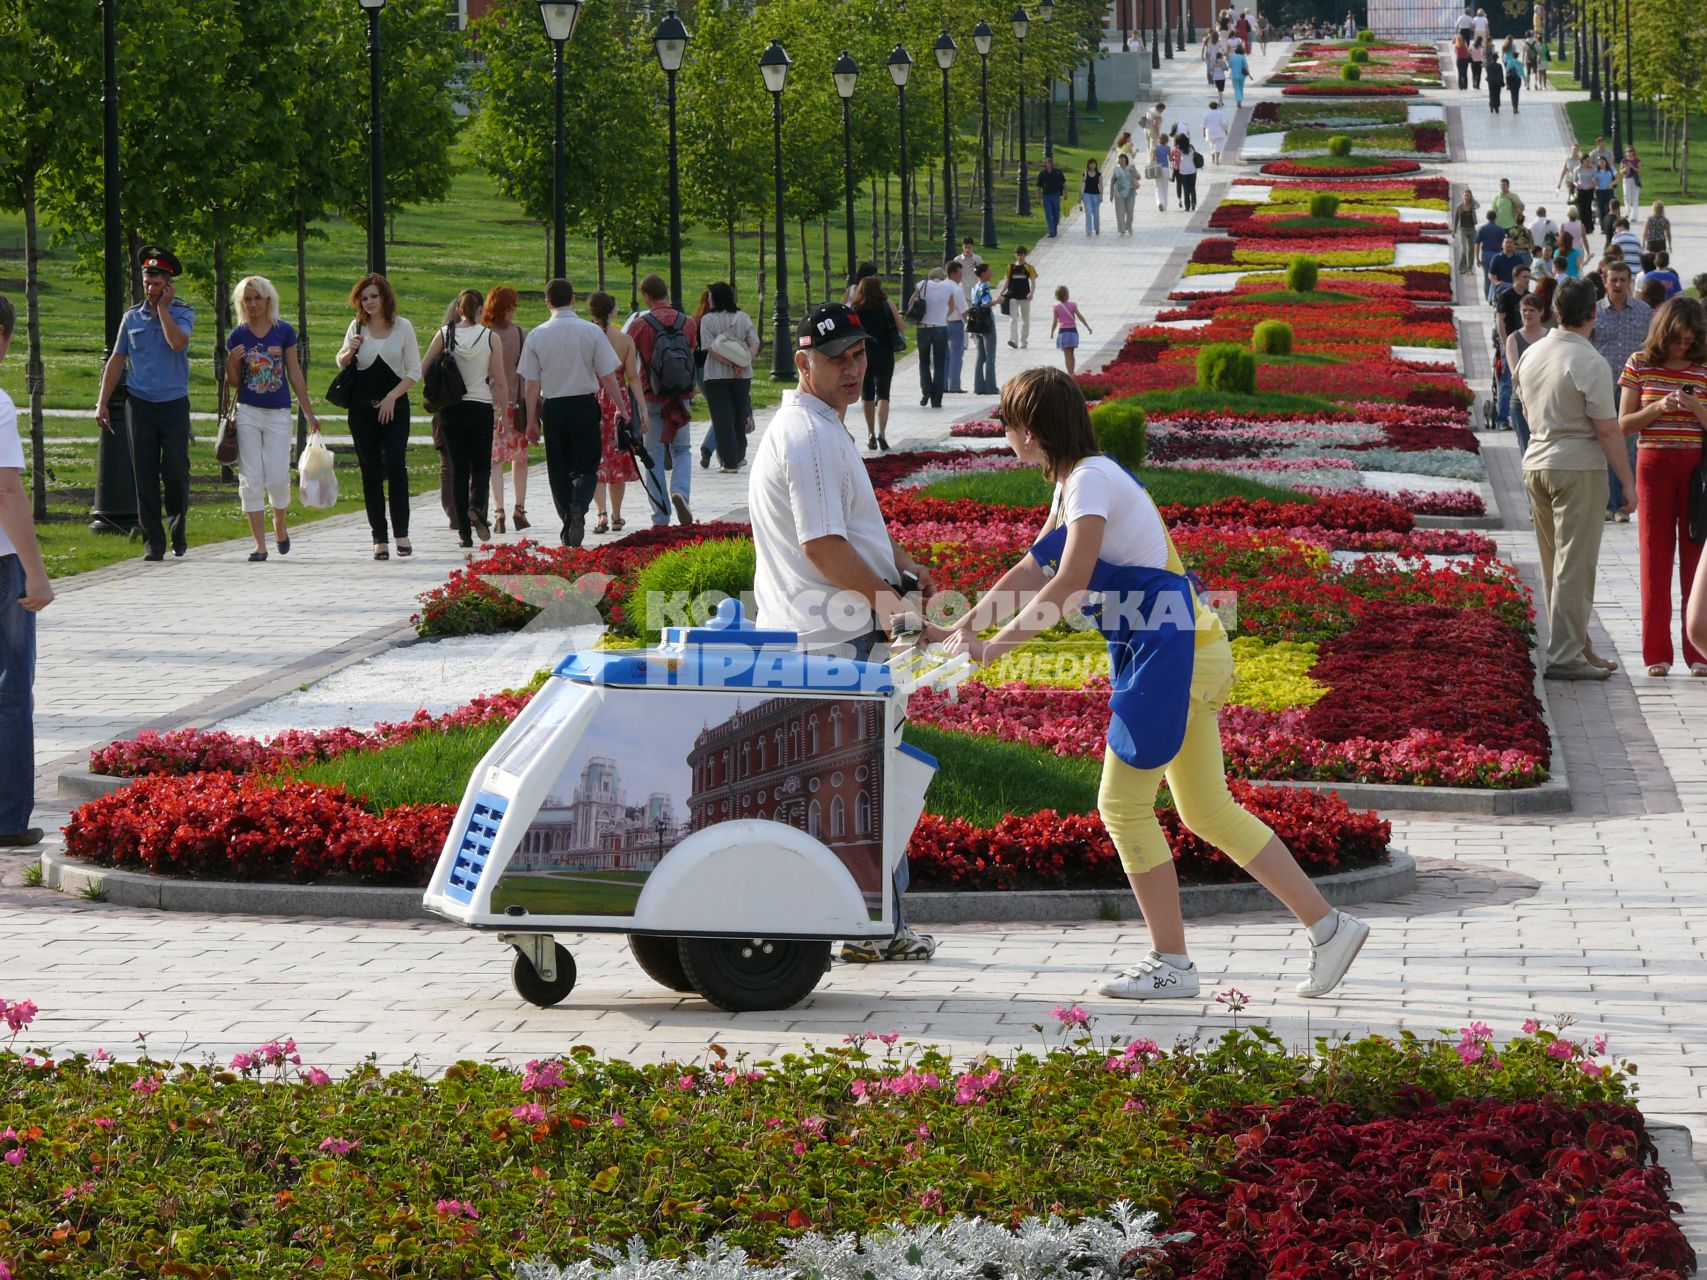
x=1274, y=676
x=1057, y=661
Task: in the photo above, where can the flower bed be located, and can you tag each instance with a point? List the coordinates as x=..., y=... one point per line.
x=1340, y=89
x=1449, y=1156
x=1382, y=140
x=1274, y=117
x=1388, y=64
x=1338, y=167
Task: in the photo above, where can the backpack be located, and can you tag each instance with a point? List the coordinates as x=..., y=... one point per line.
x=443, y=386
x=672, y=363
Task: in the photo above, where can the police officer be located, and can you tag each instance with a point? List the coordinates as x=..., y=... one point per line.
x=154, y=342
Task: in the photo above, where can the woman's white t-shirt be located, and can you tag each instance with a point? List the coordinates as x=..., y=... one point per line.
x=1134, y=533
x=474, y=360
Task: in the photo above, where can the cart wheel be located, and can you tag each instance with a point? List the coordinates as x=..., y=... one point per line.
x=748, y=974
x=660, y=960
x=535, y=989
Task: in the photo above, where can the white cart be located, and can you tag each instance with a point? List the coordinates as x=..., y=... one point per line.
x=730, y=803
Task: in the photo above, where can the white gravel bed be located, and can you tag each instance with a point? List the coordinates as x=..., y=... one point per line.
x=1394, y=481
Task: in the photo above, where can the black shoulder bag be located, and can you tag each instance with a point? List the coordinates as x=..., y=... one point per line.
x=442, y=385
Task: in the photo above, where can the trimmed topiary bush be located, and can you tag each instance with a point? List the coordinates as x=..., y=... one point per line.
x=1226, y=366
x=1301, y=274
x=1351, y=71
x=1120, y=426
x=1339, y=145
x=1324, y=204
x=1272, y=338
x=1366, y=36
x=1358, y=55
x=675, y=582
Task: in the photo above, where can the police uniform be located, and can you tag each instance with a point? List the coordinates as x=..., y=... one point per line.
x=157, y=382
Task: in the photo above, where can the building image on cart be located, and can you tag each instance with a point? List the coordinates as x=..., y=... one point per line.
x=596, y=829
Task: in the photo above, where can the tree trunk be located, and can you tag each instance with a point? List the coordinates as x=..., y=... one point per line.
x=805, y=266
x=135, y=269
x=302, y=353
x=221, y=327
x=824, y=227
x=1683, y=168
x=929, y=232
x=34, y=375
x=634, y=285
x=599, y=241
x=729, y=233
x=876, y=257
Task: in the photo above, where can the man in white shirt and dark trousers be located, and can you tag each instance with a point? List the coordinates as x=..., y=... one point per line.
x=827, y=568
x=943, y=302
x=564, y=362
x=24, y=592
x=957, y=330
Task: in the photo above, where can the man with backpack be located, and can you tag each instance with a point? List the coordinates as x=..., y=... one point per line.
x=665, y=339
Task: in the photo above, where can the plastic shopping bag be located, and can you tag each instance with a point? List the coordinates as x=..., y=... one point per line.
x=318, y=481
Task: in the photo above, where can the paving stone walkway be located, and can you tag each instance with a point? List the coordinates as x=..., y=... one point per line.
x=1596, y=914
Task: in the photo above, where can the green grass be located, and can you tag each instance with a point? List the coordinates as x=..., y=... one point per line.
x=1659, y=180
x=432, y=768
x=1199, y=400
x=566, y=893
x=1297, y=357
x=68, y=547
x=1028, y=488
x=1292, y=298
x=1356, y=163
x=983, y=780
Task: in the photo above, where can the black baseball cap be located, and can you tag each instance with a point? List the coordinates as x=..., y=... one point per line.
x=830, y=329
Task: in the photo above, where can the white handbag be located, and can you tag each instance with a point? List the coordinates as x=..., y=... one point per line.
x=731, y=350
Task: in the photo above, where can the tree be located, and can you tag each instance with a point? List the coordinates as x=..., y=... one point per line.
x=49, y=78
x=726, y=165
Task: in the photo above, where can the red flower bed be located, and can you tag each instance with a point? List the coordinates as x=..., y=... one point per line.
x=1347, y=169
x=1333, y=511
x=1064, y=851
x=1460, y=672
x=1528, y=1190
x=1326, y=89
x=1251, y=221
x=1410, y=192
x=223, y=826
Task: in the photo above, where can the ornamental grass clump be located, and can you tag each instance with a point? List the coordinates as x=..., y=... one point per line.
x=1226, y=366
x=1272, y=338
x=1301, y=274
x=1119, y=426
x=685, y=585
x=1324, y=204
x=1351, y=71
x=1358, y=55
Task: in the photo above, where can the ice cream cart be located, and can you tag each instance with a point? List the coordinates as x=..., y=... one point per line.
x=729, y=802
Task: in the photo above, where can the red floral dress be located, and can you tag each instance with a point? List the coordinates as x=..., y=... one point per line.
x=616, y=464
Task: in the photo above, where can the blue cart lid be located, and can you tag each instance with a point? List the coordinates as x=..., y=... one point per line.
x=728, y=652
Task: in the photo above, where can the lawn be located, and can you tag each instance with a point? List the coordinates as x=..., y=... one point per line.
x=1026, y=487
x=433, y=768
x=983, y=780
x=1659, y=180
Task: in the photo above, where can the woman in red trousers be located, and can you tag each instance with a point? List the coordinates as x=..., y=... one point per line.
x=1665, y=405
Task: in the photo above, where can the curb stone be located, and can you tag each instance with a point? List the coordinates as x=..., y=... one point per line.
x=135, y=889
x=1688, y=1182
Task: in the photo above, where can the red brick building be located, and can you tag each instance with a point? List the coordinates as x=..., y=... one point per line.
x=813, y=763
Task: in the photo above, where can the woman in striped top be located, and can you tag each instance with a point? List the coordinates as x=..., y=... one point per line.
x=1664, y=404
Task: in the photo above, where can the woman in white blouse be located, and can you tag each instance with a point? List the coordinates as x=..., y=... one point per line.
x=388, y=362
x=467, y=425
x=725, y=333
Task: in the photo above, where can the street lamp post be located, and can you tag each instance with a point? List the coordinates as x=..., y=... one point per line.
x=1125, y=26
x=114, y=509
x=946, y=52
x=1151, y=8
x=1168, y=33
x=376, y=159
x=671, y=43
x=900, y=71
x=559, y=20
x=1629, y=86
x=1190, y=7
x=1022, y=27
x=773, y=65
x=846, y=75
x=1046, y=11
x=983, y=39
x=1612, y=106
x=1594, y=59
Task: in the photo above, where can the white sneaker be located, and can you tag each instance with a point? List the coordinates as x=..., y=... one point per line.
x=1152, y=978
x=1330, y=960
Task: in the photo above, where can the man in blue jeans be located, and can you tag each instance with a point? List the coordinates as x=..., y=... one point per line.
x=24, y=592
x=667, y=408
x=1052, y=184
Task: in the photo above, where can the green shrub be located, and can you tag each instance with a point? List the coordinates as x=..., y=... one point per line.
x=1301, y=274
x=1226, y=366
x=1120, y=431
x=695, y=577
x=1358, y=55
x=1272, y=338
x=1340, y=144
x=1324, y=204
x=1351, y=71
x=1365, y=37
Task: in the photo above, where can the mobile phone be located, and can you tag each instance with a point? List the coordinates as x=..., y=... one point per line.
x=909, y=582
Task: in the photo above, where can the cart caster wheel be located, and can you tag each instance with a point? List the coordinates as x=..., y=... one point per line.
x=745, y=975
x=535, y=989
x=660, y=959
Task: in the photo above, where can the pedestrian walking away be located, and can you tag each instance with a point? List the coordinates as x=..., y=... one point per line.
x=565, y=363
x=1569, y=399
x=731, y=343
x=957, y=330
x=943, y=302
x=1493, y=73
x=1239, y=69
x=666, y=339
x=1664, y=409
x=1090, y=195
x=887, y=329
x=151, y=357
x=981, y=324
x=1051, y=185
x=1105, y=534
x=262, y=365
x=1123, y=190
x=382, y=346
x=617, y=466
x=1160, y=171
x=24, y=592
x=1186, y=167
x=1478, y=58
x=1621, y=325
x=825, y=566
x=1064, y=326
x=468, y=425
x=1018, y=285
x=1511, y=60
x=1461, y=53
x=1656, y=231
x=1215, y=132
x=509, y=433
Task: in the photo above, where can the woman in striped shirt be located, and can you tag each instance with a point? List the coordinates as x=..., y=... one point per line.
x=1664, y=404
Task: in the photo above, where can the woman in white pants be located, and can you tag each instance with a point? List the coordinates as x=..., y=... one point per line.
x=261, y=363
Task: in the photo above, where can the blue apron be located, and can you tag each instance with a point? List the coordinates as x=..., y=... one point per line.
x=1152, y=645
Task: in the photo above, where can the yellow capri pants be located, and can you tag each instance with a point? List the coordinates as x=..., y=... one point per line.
x=1196, y=777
